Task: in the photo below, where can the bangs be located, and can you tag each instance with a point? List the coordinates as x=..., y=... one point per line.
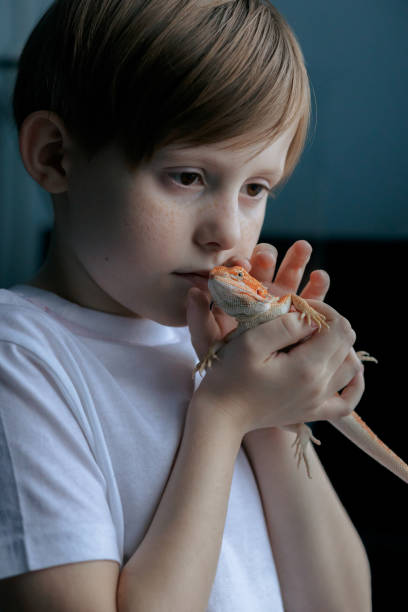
x=148, y=73
x=239, y=78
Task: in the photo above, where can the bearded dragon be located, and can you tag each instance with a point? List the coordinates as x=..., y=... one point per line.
x=243, y=297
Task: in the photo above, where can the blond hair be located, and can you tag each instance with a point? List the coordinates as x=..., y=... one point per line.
x=146, y=73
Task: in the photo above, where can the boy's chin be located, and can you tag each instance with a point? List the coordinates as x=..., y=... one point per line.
x=173, y=317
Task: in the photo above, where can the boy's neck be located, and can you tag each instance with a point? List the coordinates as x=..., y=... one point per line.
x=53, y=277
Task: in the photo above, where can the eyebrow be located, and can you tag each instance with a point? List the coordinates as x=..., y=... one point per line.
x=276, y=173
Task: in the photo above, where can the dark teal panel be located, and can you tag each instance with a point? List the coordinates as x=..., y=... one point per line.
x=352, y=180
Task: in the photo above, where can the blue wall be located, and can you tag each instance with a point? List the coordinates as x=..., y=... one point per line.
x=25, y=210
x=352, y=180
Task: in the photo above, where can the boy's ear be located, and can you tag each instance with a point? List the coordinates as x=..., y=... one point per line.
x=44, y=148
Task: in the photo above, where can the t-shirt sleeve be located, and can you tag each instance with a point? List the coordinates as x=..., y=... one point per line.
x=54, y=506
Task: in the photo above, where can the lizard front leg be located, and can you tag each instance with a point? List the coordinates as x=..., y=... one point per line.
x=214, y=349
x=207, y=361
x=308, y=312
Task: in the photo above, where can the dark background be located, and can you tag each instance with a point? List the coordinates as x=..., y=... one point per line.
x=368, y=279
x=348, y=197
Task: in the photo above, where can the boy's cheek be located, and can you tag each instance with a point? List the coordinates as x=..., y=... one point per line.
x=250, y=237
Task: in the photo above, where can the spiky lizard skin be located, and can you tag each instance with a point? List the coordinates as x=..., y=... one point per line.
x=243, y=297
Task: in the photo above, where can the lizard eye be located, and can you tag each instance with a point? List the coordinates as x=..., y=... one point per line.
x=240, y=275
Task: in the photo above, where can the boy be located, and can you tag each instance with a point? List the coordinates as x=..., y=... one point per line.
x=159, y=128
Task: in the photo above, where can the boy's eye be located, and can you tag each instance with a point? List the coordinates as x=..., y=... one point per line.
x=255, y=189
x=186, y=178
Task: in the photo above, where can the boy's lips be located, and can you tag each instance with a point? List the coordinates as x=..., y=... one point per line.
x=198, y=278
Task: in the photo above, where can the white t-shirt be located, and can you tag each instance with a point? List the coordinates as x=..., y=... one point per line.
x=92, y=407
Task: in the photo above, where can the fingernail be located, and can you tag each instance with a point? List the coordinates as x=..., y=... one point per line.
x=267, y=249
x=273, y=252
x=266, y=257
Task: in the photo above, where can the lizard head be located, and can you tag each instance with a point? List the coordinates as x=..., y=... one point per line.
x=234, y=289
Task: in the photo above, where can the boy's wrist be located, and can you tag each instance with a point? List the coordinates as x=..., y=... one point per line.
x=274, y=440
x=211, y=413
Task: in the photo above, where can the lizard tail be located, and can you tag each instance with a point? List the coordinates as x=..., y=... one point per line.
x=354, y=428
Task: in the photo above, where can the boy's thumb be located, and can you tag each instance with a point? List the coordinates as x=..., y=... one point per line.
x=203, y=328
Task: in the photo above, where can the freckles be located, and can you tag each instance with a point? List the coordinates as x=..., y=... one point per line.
x=157, y=221
x=250, y=233
x=168, y=218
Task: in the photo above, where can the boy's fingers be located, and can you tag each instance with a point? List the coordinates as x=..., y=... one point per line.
x=348, y=370
x=278, y=334
x=331, y=344
x=342, y=403
x=289, y=329
x=225, y=323
x=354, y=390
x=317, y=286
x=263, y=262
x=292, y=268
x=202, y=325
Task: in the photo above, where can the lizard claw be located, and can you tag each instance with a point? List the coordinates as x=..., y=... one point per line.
x=364, y=356
x=308, y=312
x=206, y=363
x=303, y=437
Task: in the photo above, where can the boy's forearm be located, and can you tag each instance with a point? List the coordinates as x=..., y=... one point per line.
x=175, y=565
x=321, y=562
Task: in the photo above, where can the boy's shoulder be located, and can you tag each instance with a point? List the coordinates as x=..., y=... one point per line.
x=20, y=308
x=31, y=339
x=28, y=324
x=11, y=298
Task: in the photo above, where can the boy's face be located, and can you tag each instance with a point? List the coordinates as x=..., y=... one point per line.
x=134, y=242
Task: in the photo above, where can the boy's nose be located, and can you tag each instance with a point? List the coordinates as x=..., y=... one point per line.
x=220, y=227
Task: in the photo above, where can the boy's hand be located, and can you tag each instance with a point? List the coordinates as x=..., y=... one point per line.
x=287, y=280
x=313, y=364
x=260, y=386
x=291, y=271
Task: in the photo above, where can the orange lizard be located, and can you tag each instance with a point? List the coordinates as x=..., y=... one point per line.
x=243, y=297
